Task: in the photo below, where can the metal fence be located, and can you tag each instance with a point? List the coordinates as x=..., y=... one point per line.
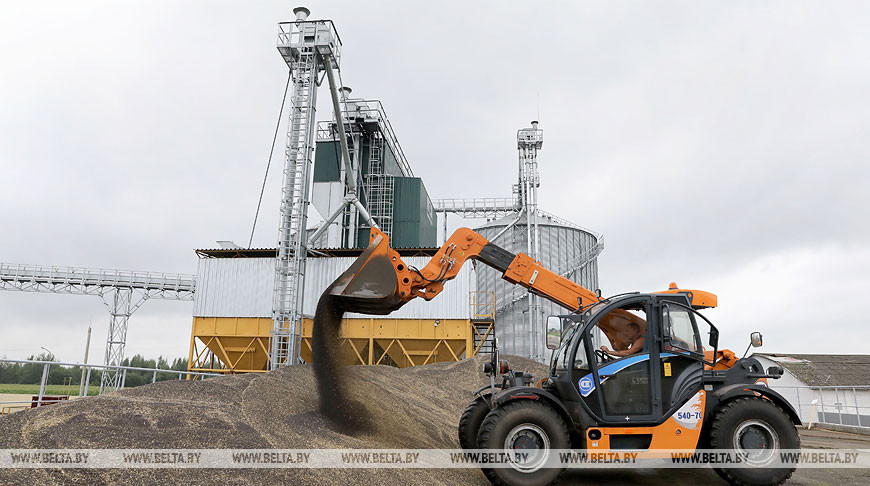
x=840, y=405
x=7, y=406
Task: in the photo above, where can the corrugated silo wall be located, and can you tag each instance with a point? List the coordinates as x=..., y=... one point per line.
x=559, y=247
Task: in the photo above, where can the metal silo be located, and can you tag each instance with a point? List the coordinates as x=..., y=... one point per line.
x=564, y=248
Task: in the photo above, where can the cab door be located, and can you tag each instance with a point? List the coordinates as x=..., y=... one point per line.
x=621, y=389
x=681, y=357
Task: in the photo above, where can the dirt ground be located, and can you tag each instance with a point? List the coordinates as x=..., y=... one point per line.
x=412, y=408
x=815, y=439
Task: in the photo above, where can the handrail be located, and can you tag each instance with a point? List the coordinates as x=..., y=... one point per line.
x=81, y=280
x=85, y=385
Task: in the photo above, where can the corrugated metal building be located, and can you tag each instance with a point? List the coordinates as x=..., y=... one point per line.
x=244, y=287
x=233, y=308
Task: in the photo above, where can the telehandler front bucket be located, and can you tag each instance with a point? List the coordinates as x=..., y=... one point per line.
x=371, y=285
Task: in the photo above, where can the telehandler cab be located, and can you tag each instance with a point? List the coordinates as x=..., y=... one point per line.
x=655, y=387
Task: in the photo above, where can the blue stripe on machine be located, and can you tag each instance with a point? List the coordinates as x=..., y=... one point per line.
x=587, y=384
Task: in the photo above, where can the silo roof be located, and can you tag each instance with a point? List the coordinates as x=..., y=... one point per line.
x=544, y=218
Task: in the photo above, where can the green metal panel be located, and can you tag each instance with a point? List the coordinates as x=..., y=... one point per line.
x=414, y=223
x=362, y=237
x=428, y=220
x=406, y=199
x=327, y=162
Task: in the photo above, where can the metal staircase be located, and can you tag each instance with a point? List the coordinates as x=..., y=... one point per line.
x=482, y=316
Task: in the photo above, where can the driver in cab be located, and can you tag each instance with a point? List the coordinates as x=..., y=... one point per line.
x=633, y=335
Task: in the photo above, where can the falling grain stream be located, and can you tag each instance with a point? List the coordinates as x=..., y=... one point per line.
x=346, y=415
x=368, y=286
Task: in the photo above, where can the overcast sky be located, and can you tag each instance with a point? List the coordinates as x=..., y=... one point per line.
x=721, y=145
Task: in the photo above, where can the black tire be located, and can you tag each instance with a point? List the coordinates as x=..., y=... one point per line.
x=503, y=420
x=470, y=422
x=759, y=417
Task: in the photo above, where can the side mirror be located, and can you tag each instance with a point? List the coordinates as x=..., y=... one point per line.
x=714, y=337
x=756, y=339
x=554, y=332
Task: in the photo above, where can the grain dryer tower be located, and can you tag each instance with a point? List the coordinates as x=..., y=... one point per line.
x=253, y=307
x=359, y=175
x=309, y=48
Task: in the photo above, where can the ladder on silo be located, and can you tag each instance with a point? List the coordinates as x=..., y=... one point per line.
x=290, y=266
x=380, y=186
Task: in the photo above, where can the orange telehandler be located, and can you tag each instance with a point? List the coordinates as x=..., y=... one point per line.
x=656, y=388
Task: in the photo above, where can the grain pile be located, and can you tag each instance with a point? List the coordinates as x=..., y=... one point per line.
x=408, y=408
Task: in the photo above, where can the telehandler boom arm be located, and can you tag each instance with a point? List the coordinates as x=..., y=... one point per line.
x=519, y=269
x=379, y=282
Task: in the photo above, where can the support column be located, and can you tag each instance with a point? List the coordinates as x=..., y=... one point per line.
x=119, y=303
x=529, y=141
x=445, y=227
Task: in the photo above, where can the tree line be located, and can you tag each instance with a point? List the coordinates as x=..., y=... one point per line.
x=27, y=373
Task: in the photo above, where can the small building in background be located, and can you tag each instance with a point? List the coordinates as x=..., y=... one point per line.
x=824, y=388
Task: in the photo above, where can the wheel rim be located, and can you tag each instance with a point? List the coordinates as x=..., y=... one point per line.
x=756, y=442
x=531, y=440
